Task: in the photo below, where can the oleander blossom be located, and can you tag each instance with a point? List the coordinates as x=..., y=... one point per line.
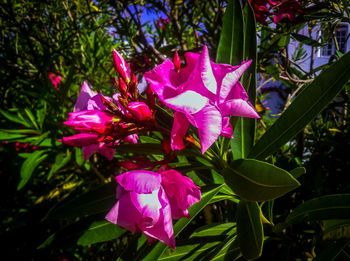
x=148, y=201
x=280, y=9
x=202, y=93
x=92, y=120
x=55, y=79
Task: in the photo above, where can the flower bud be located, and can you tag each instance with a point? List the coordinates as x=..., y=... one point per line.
x=139, y=110
x=121, y=66
x=177, y=62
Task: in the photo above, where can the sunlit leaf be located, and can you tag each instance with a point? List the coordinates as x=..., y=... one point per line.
x=258, y=181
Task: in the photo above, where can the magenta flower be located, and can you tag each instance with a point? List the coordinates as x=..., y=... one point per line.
x=55, y=79
x=143, y=206
x=147, y=202
x=204, y=94
x=286, y=9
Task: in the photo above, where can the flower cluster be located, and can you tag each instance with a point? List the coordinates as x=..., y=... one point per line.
x=280, y=9
x=103, y=121
x=148, y=201
x=162, y=22
x=55, y=79
x=202, y=93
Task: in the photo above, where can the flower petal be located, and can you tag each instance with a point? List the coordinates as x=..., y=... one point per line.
x=160, y=80
x=106, y=151
x=181, y=192
x=207, y=72
x=148, y=205
x=84, y=96
x=209, y=124
x=239, y=107
x=179, y=129
x=226, y=128
x=89, y=150
x=140, y=181
x=81, y=139
x=163, y=230
x=124, y=214
x=231, y=79
x=187, y=102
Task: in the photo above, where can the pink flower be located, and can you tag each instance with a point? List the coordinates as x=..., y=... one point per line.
x=204, y=94
x=260, y=9
x=147, y=202
x=55, y=79
x=143, y=206
x=286, y=9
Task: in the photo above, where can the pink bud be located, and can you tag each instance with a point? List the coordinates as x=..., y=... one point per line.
x=121, y=66
x=177, y=61
x=139, y=110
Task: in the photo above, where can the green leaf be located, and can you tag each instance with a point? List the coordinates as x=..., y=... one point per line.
x=258, y=181
x=306, y=40
x=11, y=136
x=311, y=101
x=322, y=208
x=214, y=229
x=194, y=210
x=61, y=160
x=92, y=202
x=230, y=49
x=32, y=118
x=283, y=41
x=100, y=231
x=297, y=172
x=205, y=243
x=195, y=248
x=228, y=250
x=29, y=166
x=335, y=229
x=332, y=251
x=244, y=131
x=14, y=118
x=79, y=156
x=21, y=131
x=250, y=229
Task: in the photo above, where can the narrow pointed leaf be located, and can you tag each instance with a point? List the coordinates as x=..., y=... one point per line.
x=323, y=208
x=230, y=49
x=99, y=200
x=244, y=132
x=310, y=102
x=159, y=248
x=29, y=165
x=254, y=180
x=297, y=172
x=250, y=229
x=100, y=231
